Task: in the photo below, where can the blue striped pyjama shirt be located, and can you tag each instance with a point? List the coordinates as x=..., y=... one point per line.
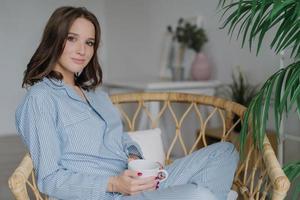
x=77, y=145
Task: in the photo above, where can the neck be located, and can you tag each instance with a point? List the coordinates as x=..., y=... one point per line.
x=68, y=77
x=69, y=80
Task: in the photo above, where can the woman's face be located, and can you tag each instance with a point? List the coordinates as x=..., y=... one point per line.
x=79, y=48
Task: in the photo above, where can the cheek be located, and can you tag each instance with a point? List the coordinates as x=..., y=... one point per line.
x=66, y=51
x=90, y=54
x=68, y=47
x=63, y=58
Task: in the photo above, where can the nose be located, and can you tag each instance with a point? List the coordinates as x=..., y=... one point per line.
x=81, y=48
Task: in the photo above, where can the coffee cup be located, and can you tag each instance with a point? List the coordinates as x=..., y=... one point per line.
x=148, y=168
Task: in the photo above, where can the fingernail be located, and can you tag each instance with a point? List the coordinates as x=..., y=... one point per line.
x=139, y=173
x=157, y=187
x=157, y=183
x=156, y=178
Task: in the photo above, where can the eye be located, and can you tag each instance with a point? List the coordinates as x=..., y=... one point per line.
x=90, y=43
x=71, y=38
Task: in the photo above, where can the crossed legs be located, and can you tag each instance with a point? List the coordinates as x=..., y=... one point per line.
x=205, y=174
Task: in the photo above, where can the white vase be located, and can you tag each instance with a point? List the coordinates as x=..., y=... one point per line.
x=200, y=69
x=177, y=73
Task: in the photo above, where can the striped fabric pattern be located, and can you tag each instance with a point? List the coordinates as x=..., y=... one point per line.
x=75, y=145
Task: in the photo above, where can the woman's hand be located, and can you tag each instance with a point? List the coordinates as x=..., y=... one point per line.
x=161, y=166
x=128, y=183
x=132, y=157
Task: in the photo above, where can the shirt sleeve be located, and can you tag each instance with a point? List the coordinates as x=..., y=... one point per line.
x=36, y=123
x=131, y=147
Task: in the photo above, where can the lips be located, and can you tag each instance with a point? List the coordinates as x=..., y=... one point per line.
x=78, y=61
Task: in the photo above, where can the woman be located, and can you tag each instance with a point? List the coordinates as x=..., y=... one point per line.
x=75, y=136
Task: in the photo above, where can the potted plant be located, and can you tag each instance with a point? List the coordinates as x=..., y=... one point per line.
x=239, y=91
x=186, y=35
x=254, y=19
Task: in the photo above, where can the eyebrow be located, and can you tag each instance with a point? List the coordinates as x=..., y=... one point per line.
x=78, y=35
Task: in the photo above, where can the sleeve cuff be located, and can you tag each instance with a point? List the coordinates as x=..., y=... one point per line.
x=100, y=186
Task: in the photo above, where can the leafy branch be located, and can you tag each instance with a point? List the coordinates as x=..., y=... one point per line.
x=253, y=19
x=188, y=35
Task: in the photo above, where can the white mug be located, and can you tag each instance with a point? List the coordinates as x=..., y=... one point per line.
x=148, y=168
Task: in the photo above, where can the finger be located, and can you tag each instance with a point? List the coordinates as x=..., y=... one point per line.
x=147, y=186
x=132, y=173
x=143, y=184
x=146, y=180
x=130, y=159
x=151, y=189
x=161, y=165
x=134, y=193
x=142, y=190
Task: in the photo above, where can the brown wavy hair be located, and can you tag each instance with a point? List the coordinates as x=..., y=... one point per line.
x=52, y=45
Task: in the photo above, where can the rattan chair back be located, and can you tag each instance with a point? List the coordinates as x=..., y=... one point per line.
x=259, y=175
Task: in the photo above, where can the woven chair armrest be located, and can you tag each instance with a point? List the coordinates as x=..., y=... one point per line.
x=278, y=178
x=17, y=181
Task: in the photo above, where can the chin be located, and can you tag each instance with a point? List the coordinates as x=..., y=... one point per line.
x=78, y=69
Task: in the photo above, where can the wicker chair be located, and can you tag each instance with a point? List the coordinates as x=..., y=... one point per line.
x=259, y=175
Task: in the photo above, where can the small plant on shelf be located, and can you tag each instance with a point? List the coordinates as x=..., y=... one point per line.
x=239, y=91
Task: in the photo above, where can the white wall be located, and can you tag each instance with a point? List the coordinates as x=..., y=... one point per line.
x=21, y=26
x=136, y=29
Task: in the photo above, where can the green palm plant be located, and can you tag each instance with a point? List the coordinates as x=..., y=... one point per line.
x=251, y=20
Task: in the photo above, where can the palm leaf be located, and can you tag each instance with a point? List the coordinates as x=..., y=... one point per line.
x=293, y=79
x=236, y=21
x=265, y=112
x=254, y=19
x=292, y=172
x=277, y=98
x=285, y=13
x=296, y=46
x=298, y=107
x=295, y=95
x=259, y=107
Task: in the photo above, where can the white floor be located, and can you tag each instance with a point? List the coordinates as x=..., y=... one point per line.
x=11, y=152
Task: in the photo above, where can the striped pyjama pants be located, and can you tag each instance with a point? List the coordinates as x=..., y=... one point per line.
x=205, y=174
